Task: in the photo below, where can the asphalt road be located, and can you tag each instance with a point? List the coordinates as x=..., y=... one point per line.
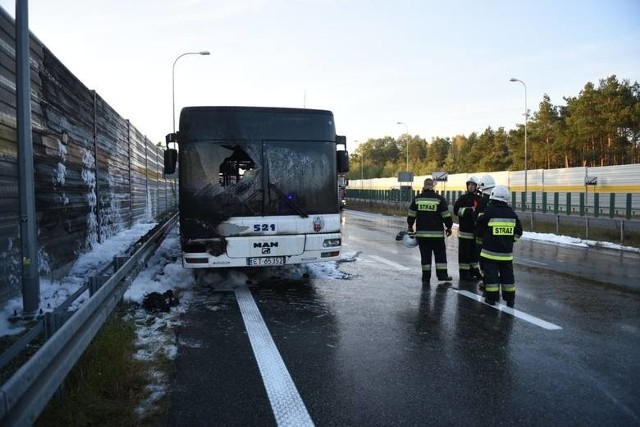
x=363, y=343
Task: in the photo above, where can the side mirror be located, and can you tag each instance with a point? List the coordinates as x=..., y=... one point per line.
x=170, y=160
x=343, y=161
x=171, y=137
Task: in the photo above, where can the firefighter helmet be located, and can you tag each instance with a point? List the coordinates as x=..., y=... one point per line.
x=486, y=184
x=500, y=193
x=410, y=241
x=472, y=180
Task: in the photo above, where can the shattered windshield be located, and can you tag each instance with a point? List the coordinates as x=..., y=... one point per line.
x=219, y=180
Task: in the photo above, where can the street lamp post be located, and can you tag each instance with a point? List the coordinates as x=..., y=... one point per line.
x=526, y=119
x=361, y=171
x=407, y=129
x=173, y=82
x=361, y=168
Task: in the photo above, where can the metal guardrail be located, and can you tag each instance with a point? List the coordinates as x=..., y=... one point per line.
x=27, y=392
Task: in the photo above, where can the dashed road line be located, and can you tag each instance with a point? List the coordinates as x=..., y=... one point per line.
x=516, y=313
x=286, y=403
x=532, y=263
x=390, y=263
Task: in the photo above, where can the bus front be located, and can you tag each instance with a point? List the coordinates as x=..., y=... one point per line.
x=257, y=186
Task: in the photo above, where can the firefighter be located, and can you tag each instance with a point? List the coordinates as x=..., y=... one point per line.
x=485, y=185
x=429, y=212
x=465, y=208
x=499, y=227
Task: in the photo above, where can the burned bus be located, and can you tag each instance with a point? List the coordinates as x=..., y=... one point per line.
x=257, y=186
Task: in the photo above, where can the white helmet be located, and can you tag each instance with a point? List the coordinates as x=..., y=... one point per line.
x=409, y=241
x=486, y=184
x=500, y=193
x=473, y=179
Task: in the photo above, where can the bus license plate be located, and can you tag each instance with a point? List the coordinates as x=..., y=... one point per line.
x=264, y=261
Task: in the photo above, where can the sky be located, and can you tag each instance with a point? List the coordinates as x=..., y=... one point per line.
x=441, y=68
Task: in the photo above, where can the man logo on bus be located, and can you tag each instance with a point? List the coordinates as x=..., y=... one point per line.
x=318, y=223
x=265, y=245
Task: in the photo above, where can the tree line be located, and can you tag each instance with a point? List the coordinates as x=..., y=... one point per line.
x=599, y=127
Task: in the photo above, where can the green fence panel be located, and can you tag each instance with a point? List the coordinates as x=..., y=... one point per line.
x=549, y=202
x=612, y=205
x=405, y=193
x=533, y=201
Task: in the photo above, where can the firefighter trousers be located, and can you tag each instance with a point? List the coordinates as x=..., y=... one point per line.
x=498, y=275
x=435, y=246
x=467, y=256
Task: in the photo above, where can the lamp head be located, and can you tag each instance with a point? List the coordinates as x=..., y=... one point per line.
x=513, y=79
x=204, y=52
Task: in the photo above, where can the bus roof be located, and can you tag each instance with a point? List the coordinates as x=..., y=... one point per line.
x=255, y=123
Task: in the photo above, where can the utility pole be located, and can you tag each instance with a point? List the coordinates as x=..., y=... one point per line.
x=28, y=229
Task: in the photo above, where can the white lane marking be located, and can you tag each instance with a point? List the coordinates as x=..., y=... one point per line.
x=516, y=313
x=390, y=263
x=530, y=262
x=286, y=403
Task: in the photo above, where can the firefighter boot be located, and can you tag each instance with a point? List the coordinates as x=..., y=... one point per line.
x=491, y=297
x=509, y=297
x=475, y=274
x=465, y=275
x=426, y=279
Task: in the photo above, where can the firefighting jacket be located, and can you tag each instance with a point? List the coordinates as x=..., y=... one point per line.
x=464, y=209
x=499, y=227
x=429, y=211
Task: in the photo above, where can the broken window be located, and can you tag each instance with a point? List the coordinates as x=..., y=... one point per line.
x=222, y=179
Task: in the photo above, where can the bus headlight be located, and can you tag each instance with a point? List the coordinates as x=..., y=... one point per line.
x=331, y=243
